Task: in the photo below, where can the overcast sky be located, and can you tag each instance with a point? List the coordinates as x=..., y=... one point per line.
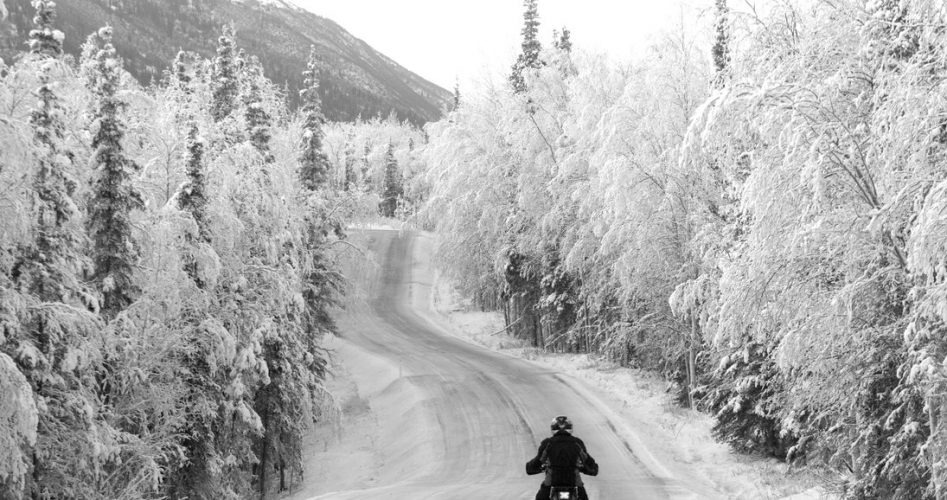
x=446, y=39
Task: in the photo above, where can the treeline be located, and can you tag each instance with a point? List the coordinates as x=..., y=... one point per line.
x=761, y=217
x=166, y=275
x=379, y=161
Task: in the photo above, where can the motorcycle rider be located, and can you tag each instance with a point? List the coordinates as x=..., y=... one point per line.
x=563, y=457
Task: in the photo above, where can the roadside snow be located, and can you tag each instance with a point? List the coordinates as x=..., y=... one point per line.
x=371, y=446
x=677, y=438
x=380, y=224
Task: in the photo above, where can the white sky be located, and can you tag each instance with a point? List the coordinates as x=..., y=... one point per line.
x=446, y=39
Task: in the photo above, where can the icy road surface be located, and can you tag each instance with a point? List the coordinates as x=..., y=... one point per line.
x=452, y=420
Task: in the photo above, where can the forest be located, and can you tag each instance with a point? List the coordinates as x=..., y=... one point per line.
x=168, y=263
x=761, y=217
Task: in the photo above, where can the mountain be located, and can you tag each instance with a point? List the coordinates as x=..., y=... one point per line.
x=357, y=80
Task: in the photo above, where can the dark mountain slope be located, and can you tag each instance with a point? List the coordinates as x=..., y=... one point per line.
x=357, y=80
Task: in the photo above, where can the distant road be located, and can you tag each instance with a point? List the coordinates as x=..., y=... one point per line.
x=456, y=421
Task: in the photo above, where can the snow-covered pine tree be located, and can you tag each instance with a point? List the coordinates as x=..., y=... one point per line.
x=224, y=82
x=193, y=196
x=87, y=62
x=892, y=37
x=558, y=302
x=45, y=40
x=530, y=45
x=456, y=95
x=319, y=285
x=349, y=178
x=562, y=40
x=745, y=402
x=257, y=119
x=114, y=197
x=562, y=58
x=181, y=80
x=57, y=243
x=721, y=46
x=394, y=184
x=180, y=77
x=313, y=163
x=529, y=58
x=48, y=330
x=365, y=168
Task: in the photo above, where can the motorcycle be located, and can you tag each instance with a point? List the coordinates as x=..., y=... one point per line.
x=564, y=493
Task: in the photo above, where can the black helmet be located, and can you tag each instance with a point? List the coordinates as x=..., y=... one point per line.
x=561, y=423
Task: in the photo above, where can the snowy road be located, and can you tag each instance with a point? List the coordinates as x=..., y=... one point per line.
x=454, y=420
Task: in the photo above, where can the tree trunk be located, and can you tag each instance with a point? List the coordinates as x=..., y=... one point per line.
x=282, y=475
x=263, y=457
x=692, y=362
x=937, y=407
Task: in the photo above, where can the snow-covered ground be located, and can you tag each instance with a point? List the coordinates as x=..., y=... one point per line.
x=678, y=438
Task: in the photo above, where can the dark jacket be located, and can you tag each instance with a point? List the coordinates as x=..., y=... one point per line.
x=563, y=457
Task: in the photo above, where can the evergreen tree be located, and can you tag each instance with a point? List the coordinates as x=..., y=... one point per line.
x=179, y=81
x=394, y=189
x=44, y=39
x=456, y=95
x=892, y=37
x=257, y=119
x=55, y=208
x=529, y=58
x=365, y=168
x=349, y=178
x=563, y=56
x=88, y=66
x=224, y=82
x=180, y=78
x=746, y=406
x=49, y=340
x=193, y=196
x=313, y=163
x=562, y=40
x=721, y=47
x=114, y=198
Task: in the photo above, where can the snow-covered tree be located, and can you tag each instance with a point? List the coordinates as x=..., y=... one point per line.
x=256, y=117
x=193, y=197
x=114, y=197
x=529, y=58
x=394, y=187
x=150, y=386
x=45, y=40
x=47, y=327
x=313, y=163
x=562, y=40
x=721, y=47
x=349, y=178
x=179, y=71
x=225, y=83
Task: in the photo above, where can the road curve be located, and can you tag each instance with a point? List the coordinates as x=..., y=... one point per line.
x=461, y=420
